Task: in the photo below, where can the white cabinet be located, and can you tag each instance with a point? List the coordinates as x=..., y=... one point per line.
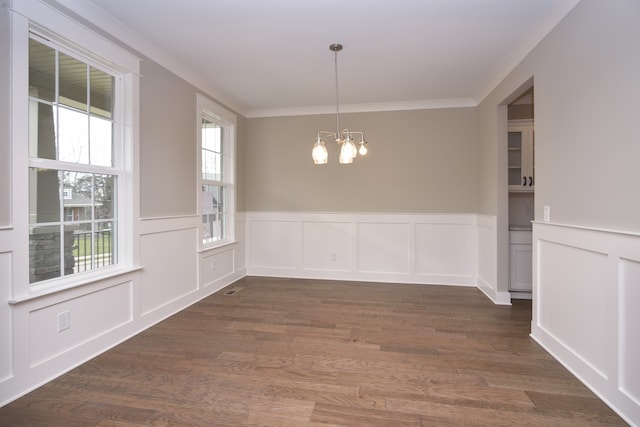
x=520, y=261
x=521, y=146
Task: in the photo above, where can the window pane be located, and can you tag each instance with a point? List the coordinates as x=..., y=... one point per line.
x=211, y=136
x=44, y=253
x=104, y=244
x=42, y=136
x=101, y=132
x=212, y=213
x=76, y=196
x=82, y=246
x=73, y=136
x=101, y=92
x=72, y=82
x=211, y=166
x=44, y=196
x=42, y=71
x=104, y=196
x=211, y=151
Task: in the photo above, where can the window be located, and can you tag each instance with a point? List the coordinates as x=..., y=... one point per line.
x=74, y=143
x=216, y=177
x=74, y=171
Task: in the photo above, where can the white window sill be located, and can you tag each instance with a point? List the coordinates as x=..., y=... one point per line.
x=221, y=246
x=50, y=290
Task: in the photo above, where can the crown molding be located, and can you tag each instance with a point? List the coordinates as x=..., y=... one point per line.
x=539, y=31
x=429, y=104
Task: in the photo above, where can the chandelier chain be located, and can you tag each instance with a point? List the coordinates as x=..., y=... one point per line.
x=335, y=62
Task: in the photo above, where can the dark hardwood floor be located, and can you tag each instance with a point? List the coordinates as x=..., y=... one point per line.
x=285, y=352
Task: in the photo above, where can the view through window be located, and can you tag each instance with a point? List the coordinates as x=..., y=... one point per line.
x=73, y=172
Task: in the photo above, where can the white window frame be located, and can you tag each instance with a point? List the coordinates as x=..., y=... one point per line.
x=206, y=108
x=65, y=34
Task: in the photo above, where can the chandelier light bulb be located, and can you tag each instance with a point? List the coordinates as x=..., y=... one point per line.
x=348, y=152
x=320, y=154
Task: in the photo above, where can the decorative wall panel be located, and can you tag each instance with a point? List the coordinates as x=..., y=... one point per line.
x=586, y=288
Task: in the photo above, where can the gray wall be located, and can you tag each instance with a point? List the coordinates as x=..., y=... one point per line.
x=585, y=74
x=420, y=161
x=587, y=91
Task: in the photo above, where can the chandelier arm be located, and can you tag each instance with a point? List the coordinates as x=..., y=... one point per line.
x=326, y=132
x=361, y=135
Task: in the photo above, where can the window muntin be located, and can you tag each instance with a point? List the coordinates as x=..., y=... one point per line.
x=73, y=175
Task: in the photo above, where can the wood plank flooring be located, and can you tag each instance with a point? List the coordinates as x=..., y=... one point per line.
x=285, y=352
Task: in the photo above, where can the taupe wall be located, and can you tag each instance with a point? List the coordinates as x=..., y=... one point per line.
x=585, y=75
x=168, y=144
x=421, y=161
x=586, y=83
x=240, y=163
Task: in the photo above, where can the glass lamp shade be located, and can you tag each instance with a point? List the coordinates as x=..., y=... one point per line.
x=319, y=153
x=348, y=152
x=363, y=149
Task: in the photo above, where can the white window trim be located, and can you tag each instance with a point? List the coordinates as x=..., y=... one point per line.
x=228, y=120
x=34, y=16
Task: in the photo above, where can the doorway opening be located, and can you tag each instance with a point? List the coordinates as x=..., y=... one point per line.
x=521, y=182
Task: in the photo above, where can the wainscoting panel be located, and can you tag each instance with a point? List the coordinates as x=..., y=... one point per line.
x=586, y=289
x=383, y=248
x=326, y=246
x=575, y=278
x=5, y=316
x=629, y=319
x=90, y=315
x=274, y=244
x=215, y=265
x=445, y=247
x=407, y=248
x=487, y=261
x=170, y=267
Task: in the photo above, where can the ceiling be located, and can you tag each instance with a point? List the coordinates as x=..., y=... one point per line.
x=272, y=57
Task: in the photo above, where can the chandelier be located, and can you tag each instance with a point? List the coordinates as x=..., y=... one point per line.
x=351, y=142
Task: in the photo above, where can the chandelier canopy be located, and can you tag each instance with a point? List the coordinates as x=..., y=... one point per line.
x=351, y=143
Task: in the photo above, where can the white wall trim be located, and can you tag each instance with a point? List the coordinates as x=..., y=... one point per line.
x=586, y=288
x=363, y=247
x=487, y=270
x=110, y=310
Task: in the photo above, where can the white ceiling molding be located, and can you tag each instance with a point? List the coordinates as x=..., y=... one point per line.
x=432, y=104
x=539, y=32
x=446, y=52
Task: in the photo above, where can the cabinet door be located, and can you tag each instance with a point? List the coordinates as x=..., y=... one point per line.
x=521, y=273
x=520, y=146
x=514, y=148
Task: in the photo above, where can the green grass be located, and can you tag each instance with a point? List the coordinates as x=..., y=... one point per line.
x=82, y=244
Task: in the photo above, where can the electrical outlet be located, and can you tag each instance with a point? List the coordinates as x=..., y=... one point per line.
x=213, y=265
x=64, y=321
x=334, y=257
x=546, y=213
